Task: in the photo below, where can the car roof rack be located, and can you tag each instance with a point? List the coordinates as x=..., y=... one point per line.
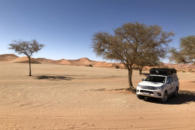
x=163, y=71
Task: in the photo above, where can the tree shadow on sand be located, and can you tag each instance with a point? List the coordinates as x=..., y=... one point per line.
x=53, y=77
x=183, y=97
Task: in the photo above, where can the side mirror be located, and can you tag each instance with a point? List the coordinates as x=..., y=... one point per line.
x=168, y=82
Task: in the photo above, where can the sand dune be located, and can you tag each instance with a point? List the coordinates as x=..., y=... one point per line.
x=178, y=67
x=46, y=61
x=182, y=67
x=63, y=62
x=82, y=62
x=103, y=64
x=8, y=57
x=25, y=60
x=87, y=62
x=78, y=62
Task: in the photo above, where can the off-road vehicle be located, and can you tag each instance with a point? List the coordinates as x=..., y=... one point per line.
x=160, y=83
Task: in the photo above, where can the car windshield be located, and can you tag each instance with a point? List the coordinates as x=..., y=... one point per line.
x=159, y=79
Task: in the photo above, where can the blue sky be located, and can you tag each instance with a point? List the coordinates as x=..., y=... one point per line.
x=66, y=27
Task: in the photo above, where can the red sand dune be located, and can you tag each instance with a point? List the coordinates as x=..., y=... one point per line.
x=103, y=64
x=181, y=67
x=46, y=61
x=8, y=57
x=63, y=62
x=119, y=65
x=87, y=62
x=178, y=67
x=25, y=60
x=82, y=62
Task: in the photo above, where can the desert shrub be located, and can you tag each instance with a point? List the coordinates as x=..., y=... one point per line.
x=90, y=65
x=190, y=70
x=117, y=67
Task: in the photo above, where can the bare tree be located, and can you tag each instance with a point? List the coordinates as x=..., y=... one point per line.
x=186, y=54
x=27, y=48
x=130, y=43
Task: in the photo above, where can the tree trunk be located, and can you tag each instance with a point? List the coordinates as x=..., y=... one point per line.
x=130, y=72
x=29, y=62
x=140, y=70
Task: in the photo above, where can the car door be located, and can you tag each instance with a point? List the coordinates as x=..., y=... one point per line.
x=176, y=82
x=172, y=85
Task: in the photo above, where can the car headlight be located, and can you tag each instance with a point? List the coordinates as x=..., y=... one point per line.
x=160, y=88
x=138, y=87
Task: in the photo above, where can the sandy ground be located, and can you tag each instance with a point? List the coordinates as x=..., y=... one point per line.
x=60, y=97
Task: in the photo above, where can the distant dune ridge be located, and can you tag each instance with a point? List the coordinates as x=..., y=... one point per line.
x=62, y=62
x=182, y=67
x=44, y=60
x=82, y=61
x=8, y=57
x=78, y=62
x=87, y=62
x=25, y=60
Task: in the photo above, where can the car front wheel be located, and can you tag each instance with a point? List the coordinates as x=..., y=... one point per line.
x=140, y=97
x=165, y=97
x=176, y=92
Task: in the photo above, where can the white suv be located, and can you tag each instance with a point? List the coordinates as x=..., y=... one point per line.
x=160, y=83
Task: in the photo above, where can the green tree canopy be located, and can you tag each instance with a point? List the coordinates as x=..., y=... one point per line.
x=186, y=53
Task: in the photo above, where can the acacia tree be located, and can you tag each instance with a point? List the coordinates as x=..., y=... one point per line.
x=27, y=48
x=149, y=60
x=186, y=54
x=131, y=42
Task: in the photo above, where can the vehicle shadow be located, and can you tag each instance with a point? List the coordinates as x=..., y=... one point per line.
x=183, y=97
x=53, y=77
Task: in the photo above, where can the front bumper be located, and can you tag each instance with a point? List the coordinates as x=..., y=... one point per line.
x=149, y=93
